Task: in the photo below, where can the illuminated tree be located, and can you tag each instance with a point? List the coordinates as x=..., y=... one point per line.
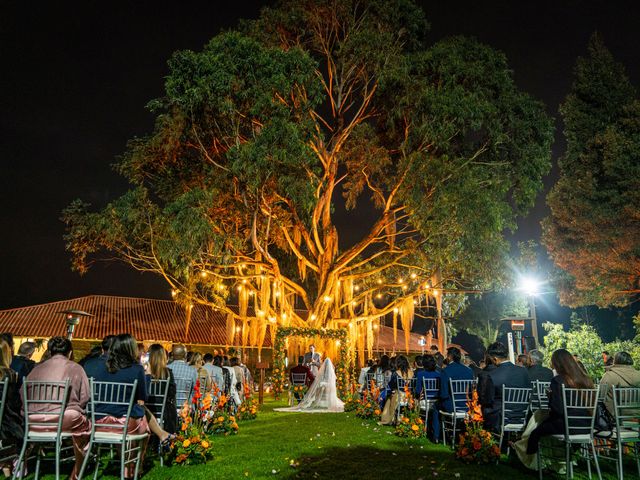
x=593, y=232
x=315, y=109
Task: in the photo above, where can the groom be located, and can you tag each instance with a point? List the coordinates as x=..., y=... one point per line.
x=312, y=360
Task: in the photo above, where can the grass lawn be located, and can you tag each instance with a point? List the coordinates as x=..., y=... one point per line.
x=336, y=446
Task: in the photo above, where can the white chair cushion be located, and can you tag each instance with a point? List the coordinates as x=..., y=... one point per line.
x=116, y=437
x=47, y=435
x=514, y=427
x=581, y=438
x=626, y=434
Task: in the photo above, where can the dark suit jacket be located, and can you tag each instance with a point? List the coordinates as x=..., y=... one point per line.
x=490, y=390
x=538, y=372
x=302, y=369
x=454, y=371
x=22, y=366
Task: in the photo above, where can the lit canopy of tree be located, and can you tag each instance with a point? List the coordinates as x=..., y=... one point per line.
x=593, y=233
x=317, y=107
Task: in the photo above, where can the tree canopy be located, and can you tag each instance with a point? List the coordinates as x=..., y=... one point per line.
x=593, y=230
x=316, y=107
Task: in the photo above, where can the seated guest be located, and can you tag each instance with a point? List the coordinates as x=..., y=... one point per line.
x=183, y=373
x=122, y=366
x=22, y=363
x=418, y=365
x=454, y=371
x=435, y=351
x=214, y=371
x=429, y=371
x=536, y=370
x=58, y=369
x=197, y=362
x=620, y=374
x=301, y=368
x=158, y=370
x=91, y=365
x=394, y=395
x=93, y=353
x=572, y=376
x=12, y=426
x=490, y=385
x=223, y=375
x=384, y=368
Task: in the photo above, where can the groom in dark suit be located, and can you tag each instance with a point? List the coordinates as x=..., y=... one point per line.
x=312, y=359
x=490, y=384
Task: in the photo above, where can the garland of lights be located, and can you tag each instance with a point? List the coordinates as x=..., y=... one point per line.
x=279, y=368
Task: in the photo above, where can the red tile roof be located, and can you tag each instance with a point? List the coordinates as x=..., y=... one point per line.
x=146, y=319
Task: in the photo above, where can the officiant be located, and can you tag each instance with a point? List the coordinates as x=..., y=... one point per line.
x=312, y=360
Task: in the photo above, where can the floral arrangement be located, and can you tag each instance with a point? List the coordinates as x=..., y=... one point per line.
x=352, y=399
x=248, y=409
x=279, y=374
x=192, y=445
x=476, y=445
x=222, y=422
x=410, y=423
x=368, y=407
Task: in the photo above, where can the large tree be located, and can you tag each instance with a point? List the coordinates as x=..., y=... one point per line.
x=316, y=108
x=593, y=232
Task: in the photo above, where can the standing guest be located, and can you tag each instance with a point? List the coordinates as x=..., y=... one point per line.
x=122, y=366
x=454, y=371
x=12, y=426
x=214, y=371
x=362, y=378
x=158, y=370
x=572, y=376
x=435, y=351
x=248, y=378
x=522, y=361
x=230, y=381
x=620, y=374
x=92, y=364
x=536, y=370
x=394, y=394
x=239, y=371
x=58, y=369
x=183, y=373
x=490, y=385
x=22, y=363
x=197, y=362
x=301, y=368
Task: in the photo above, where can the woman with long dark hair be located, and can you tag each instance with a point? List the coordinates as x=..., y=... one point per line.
x=122, y=366
x=158, y=371
x=568, y=373
x=11, y=428
x=394, y=395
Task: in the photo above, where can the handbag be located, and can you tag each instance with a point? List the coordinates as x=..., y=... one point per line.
x=604, y=423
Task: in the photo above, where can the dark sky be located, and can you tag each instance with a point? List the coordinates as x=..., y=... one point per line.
x=75, y=78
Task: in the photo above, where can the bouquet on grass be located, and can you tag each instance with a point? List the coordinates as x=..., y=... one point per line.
x=248, y=409
x=368, y=407
x=222, y=421
x=410, y=423
x=352, y=399
x=476, y=445
x=192, y=445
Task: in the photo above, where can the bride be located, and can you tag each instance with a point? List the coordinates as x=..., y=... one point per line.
x=322, y=395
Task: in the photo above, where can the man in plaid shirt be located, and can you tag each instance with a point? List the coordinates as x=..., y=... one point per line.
x=184, y=374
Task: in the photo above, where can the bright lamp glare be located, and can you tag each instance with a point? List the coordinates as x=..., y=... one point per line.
x=530, y=285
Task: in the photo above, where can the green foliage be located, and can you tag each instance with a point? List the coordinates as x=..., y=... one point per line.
x=258, y=132
x=593, y=229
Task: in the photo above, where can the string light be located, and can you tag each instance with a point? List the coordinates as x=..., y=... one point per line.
x=356, y=288
x=174, y=293
x=260, y=313
x=404, y=287
x=327, y=298
x=401, y=280
x=395, y=310
x=379, y=281
x=284, y=316
x=379, y=296
x=239, y=288
x=413, y=275
x=313, y=316
x=203, y=274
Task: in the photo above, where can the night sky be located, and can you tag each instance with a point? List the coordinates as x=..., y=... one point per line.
x=75, y=78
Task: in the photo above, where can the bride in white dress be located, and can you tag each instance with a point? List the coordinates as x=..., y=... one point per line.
x=322, y=396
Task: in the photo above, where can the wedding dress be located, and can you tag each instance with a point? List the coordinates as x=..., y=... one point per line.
x=322, y=396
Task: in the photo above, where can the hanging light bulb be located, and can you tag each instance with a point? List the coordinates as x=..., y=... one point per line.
x=413, y=275
x=356, y=287
x=313, y=316
x=203, y=274
x=379, y=296
x=379, y=281
x=327, y=298
x=395, y=310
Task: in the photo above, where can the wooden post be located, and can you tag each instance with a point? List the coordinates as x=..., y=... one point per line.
x=261, y=366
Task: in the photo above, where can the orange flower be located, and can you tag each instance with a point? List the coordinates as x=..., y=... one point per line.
x=377, y=411
x=220, y=418
x=464, y=452
x=181, y=458
x=186, y=443
x=415, y=427
x=205, y=444
x=184, y=427
x=477, y=445
x=234, y=425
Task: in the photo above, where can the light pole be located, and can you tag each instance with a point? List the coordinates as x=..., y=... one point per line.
x=530, y=287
